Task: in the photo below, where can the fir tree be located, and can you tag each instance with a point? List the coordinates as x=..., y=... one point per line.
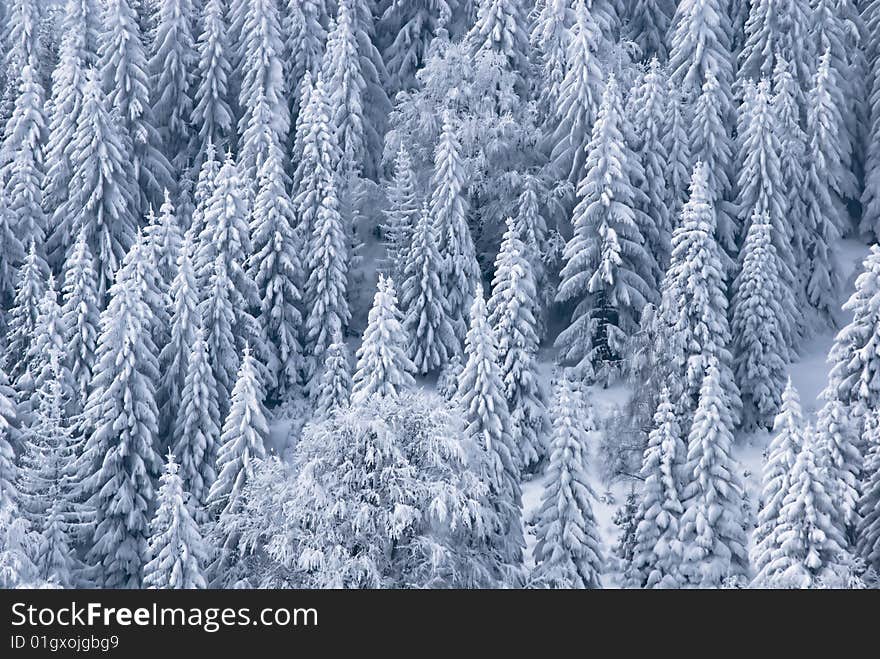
x=212, y=113
x=658, y=552
x=383, y=367
x=788, y=439
x=305, y=24
x=649, y=22
x=840, y=459
x=411, y=25
x=461, y=272
x=121, y=418
x=431, y=338
x=868, y=535
x=176, y=549
x=29, y=290
x=711, y=528
x=568, y=549
x=501, y=27
x=757, y=326
x=606, y=267
x=550, y=38
x=676, y=141
x=488, y=432
x=217, y=313
x=12, y=250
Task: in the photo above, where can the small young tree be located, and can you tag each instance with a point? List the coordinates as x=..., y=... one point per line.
x=568, y=549
x=176, y=549
x=334, y=388
x=383, y=367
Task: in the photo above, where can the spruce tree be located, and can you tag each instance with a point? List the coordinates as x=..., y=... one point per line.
x=809, y=544
x=242, y=440
x=305, y=24
x=461, y=272
x=80, y=312
x=121, y=421
x=197, y=425
x=172, y=69
x=550, y=38
x=29, y=290
x=276, y=272
x=868, y=533
x=502, y=28
x=217, y=313
x=511, y=311
x=788, y=439
x=100, y=200
x=334, y=388
x=711, y=528
x=426, y=322
x=212, y=113
x=579, y=96
x=12, y=249
x=607, y=268
x=410, y=26
x=568, y=550
x=177, y=553
x=649, y=22
x=758, y=326
x=383, y=367
x=693, y=329
x=839, y=458
x=480, y=398
x=676, y=141
x=402, y=214
x=124, y=72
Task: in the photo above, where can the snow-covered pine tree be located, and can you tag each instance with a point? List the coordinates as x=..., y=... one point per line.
x=511, y=311
x=657, y=554
x=175, y=355
x=579, y=95
x=29, y=289
x=226, y=235
x=699, y=43
x=758, y=326
x=205, y=184
x=242, y=440
x=121, y=422
x=762, y=192
x=677, y=143
x=49, y=333
x=212, y=113
x=401, y=215
x=778, y=29
x=172, y=69
x=305, y=24
x=22, y=167
x=410, y=26
x=480, y=397
x=431, y=338
x=265, y=118
x=328, y=263
x=788, y=439
x=647, y=26
x=711, y=528
x=607, y=268
x=217, y=314
x=568, y=550
x=649, y=125
x=693, y=328
x=123, y=69
x=550, y=38
x=177, y=554
x=826, y=187
x=21, y=38
x=276, y=271
x=197, y=425
x=502, y=27
x=77, y=52
x=855, y=354
x=837, y=436
x=868, y=532
x=383, y=367
x=11, y=248
x=810, y=545
x=461, y=272
x=99, y=198
x=80, y=312
x=334, y=388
